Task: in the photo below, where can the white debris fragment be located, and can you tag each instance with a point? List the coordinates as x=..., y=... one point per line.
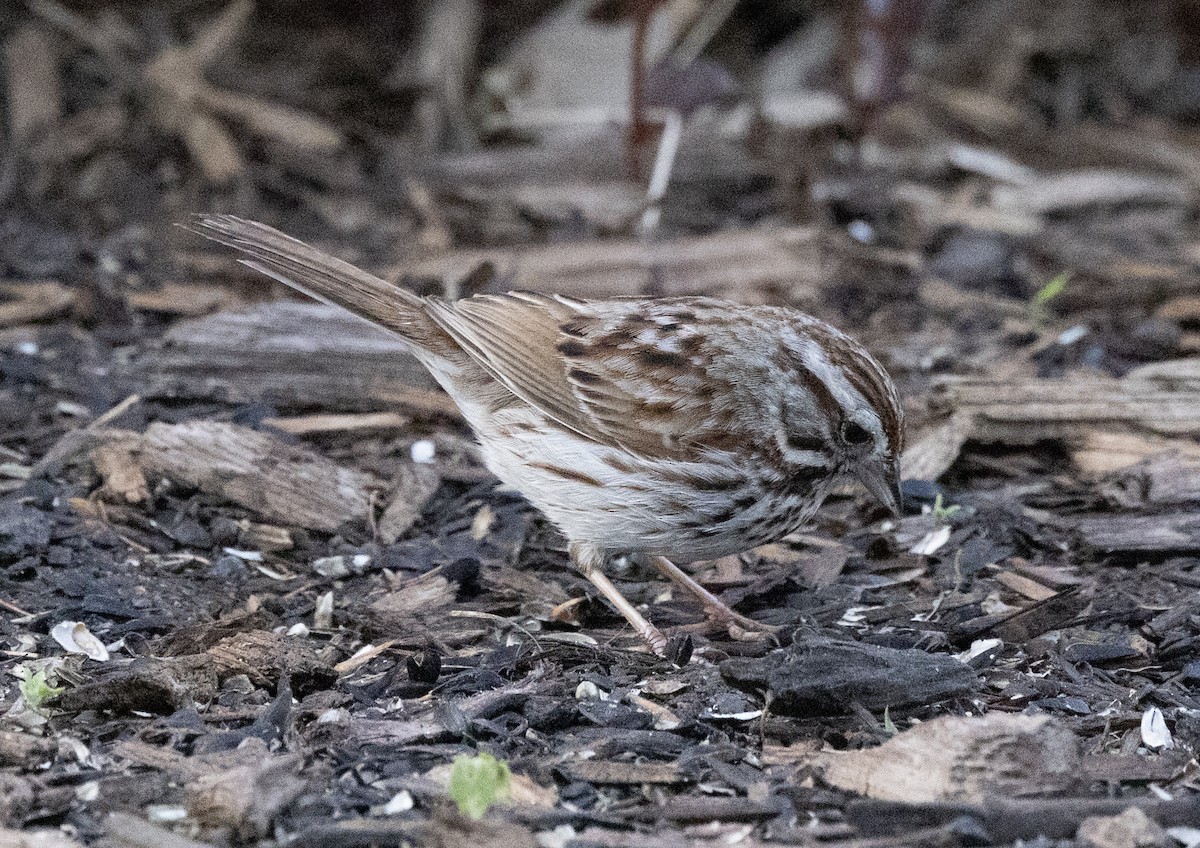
x=978, y=648
x=323, y=615
x=1155, y=733
x=246, y=556
x=332, y=567
x=932, y=542
x=423, y=451
x=401, y=802
x=75, y=638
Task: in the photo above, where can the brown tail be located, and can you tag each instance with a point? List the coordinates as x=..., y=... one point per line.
x=318, y=274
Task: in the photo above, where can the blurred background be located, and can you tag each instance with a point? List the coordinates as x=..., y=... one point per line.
x=971, y=186
x=862, y=149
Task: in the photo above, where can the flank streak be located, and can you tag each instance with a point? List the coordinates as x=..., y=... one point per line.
x=568, y=474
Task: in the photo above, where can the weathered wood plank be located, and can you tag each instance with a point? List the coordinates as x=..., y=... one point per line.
x=293, y=355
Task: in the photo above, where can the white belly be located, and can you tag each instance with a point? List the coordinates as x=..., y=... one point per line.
x=630, y=504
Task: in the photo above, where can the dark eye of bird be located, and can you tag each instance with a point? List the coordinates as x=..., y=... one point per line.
x=855, y=434
x=804, y=443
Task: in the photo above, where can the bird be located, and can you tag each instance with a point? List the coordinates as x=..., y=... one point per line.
x=680, y=429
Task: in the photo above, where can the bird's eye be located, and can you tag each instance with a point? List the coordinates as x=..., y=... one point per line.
x=855, y=434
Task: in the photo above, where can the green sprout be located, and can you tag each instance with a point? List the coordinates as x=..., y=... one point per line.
x=35, y=688
x=943, y=512
x=476, y=783
x=889, y=726
x=1040, y=305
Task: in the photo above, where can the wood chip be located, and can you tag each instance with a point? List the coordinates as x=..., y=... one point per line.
x=363, y=656
x=1103, y=451
x=824, y=676
x=1024, y=412
x=1021, y=625
x=274, y=120
x=309, y=425
x=20, y=750
x=1152, y=401
x=931, y=455
x=45, y=838
x=619, y=773
x=428, y=594
x=664, y=719
x=1097, y=187
x=522, y=791
x=125, y=830
x=966, y=760
x=431, y=727
x=1167, y=479
x=1025, y=586
x=414, y=486
x=190, y=300
x=21, y=303
x=123, y=477
x=1008, y=820
x=264, y=656
x=1131, y=828
x=264, y=537
x=246, y=799
x=1183, y=308
x=1142, y=533
x=285, y=484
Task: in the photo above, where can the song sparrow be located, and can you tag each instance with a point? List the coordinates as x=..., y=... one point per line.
x=689, y=428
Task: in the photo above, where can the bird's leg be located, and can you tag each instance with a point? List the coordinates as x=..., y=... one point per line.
x=714, y=607
x=589, y=560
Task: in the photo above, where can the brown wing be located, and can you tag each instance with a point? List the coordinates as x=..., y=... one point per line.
x=627, y=373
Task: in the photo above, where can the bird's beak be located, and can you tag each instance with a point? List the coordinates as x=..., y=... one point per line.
x=883, y=484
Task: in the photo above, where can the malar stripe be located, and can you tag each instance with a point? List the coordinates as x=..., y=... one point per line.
x=800, y=480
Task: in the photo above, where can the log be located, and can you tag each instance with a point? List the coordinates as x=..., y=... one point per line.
x=1142, y=533
x=1152, y=401
x=294, y=355
x=286, y=484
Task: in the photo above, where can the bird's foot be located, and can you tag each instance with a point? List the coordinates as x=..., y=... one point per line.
x=740, y=627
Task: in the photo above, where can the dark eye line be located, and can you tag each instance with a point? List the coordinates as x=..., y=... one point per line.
x=805, y=443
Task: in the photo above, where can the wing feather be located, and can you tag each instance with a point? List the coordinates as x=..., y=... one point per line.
x=586, y=370
x=515, y=339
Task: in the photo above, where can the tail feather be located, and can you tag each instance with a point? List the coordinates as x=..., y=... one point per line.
x=318, y=274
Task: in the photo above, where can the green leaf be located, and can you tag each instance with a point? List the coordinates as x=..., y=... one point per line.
x=889, y=726
x=36, y=690
x=476, y=783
